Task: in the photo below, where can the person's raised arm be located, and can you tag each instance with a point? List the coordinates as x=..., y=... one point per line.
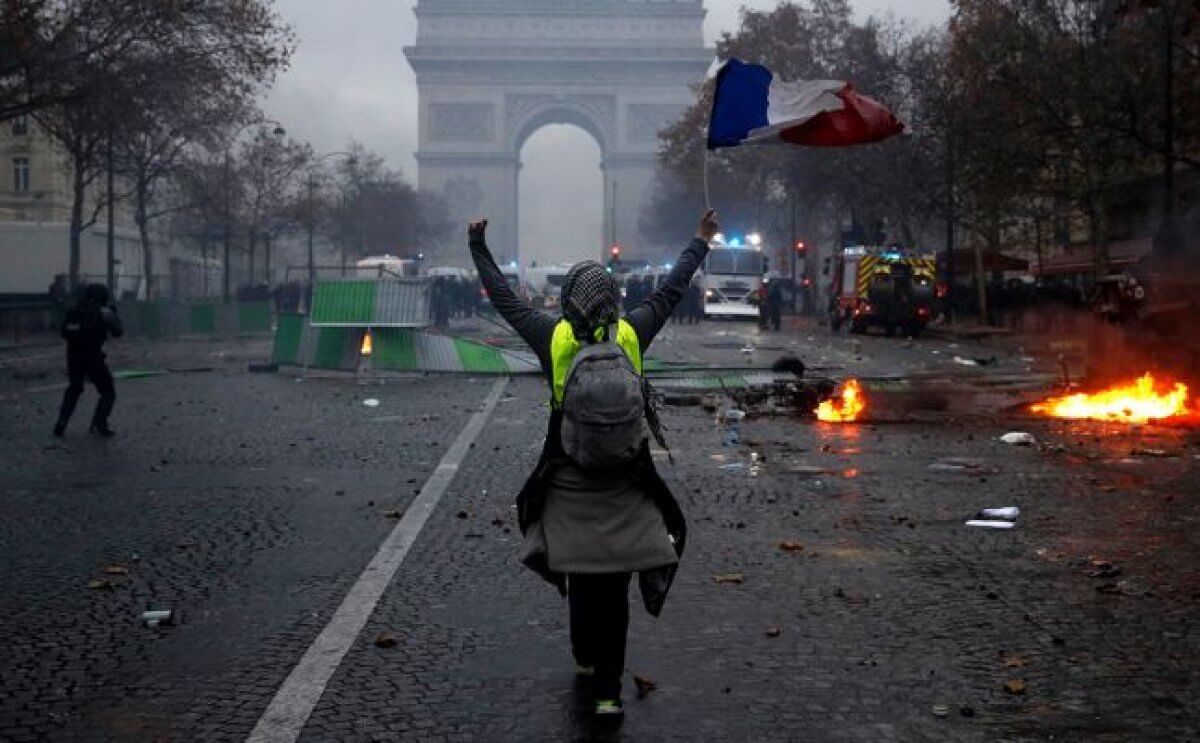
x=535, y=328
x=649, y=316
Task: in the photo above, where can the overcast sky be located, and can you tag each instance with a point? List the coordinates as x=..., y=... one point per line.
x=349, y=80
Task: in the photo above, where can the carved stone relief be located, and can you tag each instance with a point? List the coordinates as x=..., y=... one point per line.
x=461, y=122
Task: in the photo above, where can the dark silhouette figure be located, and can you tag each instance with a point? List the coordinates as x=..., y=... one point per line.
x=86, y=327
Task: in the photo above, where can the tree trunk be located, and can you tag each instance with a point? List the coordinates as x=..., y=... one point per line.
x=267, y=258
x=78, y=193
x=144, y=234
x=250, y=255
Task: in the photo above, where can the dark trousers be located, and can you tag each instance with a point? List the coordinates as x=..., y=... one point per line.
x=599, y=625
x=80, y=368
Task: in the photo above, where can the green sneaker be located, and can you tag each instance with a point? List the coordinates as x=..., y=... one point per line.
x=609, y=708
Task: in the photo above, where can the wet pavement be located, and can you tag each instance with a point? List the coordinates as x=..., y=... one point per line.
x=853, y=602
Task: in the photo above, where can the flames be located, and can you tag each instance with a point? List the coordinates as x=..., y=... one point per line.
x=843, y=408
x=1137, y=402
x=366, y=344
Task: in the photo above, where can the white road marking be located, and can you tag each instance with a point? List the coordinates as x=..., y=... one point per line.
x=289, y=711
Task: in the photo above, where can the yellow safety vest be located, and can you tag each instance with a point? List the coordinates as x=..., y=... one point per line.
x=564, y=346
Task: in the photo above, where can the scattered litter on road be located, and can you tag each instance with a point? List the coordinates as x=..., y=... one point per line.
x=1152, y=453
x=773, y=632
x=386, y=640
x=644, y=685
x=789, y=545
x=116, y=570
x=747, y=350
x=941, y=710
x=155, y=617
x=1015, y=686
x=720, y=578
x=957, y=464
x=98, y=584
x=806, y=470
x=1012, y=660
x=733, y=466
x=965, y=362
x=1008, y=512
x=733, y=414
x=371, y=402
x=1018, y=438
x=991, y=524
x=394, y=513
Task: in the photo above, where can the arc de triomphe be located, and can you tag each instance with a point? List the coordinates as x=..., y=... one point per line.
x=492, y=72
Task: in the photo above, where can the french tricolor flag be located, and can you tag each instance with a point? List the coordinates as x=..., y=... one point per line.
x=751, y=107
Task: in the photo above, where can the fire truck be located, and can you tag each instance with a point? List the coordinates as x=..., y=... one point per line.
x=883, y=287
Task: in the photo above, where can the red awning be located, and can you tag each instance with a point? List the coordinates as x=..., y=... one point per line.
x=1082, y=258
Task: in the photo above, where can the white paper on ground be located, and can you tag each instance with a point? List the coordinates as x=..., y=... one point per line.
x=989, y=524
x=1008, y=512
x=1019, y=438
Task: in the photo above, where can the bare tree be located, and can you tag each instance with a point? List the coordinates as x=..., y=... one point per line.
x=181, y=75
x=273, y=171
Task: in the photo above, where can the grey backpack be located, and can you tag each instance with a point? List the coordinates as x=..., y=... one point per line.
x=603, y=406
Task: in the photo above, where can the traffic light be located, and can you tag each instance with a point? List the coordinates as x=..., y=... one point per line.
x=800, y=247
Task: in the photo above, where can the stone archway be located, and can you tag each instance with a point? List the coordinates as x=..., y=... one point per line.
x=492, y=72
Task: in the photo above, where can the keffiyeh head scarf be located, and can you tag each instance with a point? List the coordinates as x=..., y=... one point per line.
x=589, y=298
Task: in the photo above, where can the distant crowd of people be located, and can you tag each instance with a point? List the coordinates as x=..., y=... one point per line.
x=690, y=309
x=455, y=297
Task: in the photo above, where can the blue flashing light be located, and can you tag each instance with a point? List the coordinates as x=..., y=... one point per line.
x=512, y=264
x=892, y=256
x=667, y=266
x=735, y=242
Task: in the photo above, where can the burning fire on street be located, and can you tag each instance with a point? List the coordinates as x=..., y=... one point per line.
x=366, y=344
x=1141, y=401
x=846, y=406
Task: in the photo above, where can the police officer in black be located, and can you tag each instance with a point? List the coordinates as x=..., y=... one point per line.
x=86, y=326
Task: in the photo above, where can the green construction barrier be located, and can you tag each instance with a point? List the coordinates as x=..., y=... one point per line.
x=254, y=317
x=202, y=319
x=480, y=357
x=336, y=348
x=393, y=348
x=288, y=332
x=344, y=303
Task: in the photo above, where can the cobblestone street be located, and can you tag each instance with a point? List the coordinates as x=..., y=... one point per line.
x=830, y=590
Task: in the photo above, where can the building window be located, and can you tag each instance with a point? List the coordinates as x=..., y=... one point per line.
x=21, y=174
x=20, y=126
